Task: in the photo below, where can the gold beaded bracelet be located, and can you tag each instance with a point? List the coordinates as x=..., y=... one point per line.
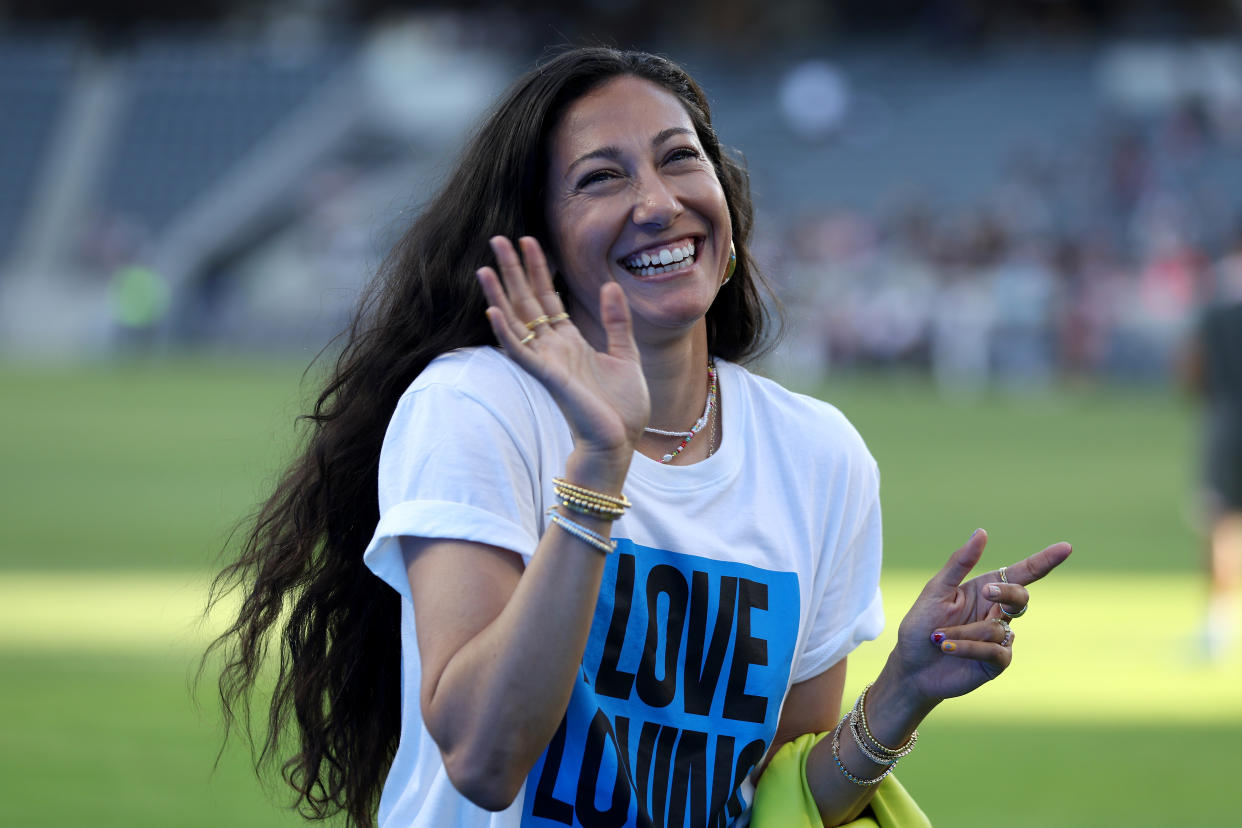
x=590, y=508
x=860, y=712
x=588, y=501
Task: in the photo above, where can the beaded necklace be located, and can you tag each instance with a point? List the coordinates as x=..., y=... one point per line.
x=711, y=435
x=687, y=436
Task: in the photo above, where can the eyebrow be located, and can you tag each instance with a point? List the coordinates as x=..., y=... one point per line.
x=613, y=153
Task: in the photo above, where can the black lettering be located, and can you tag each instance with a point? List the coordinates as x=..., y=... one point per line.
x=739, y=704
x=746, y=760
x=703, y=674
x=659, y=692
x=609, y=680
x=722, y=776
x=642, y=769
x=599, y=734
x=659, y=775
x=546, y=805
x=689, y=781
x=621, y=735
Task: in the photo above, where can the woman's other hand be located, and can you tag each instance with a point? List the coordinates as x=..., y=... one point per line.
x=957, y=636
x=602, y=394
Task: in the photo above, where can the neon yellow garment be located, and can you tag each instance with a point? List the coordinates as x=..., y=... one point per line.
x=783, y=800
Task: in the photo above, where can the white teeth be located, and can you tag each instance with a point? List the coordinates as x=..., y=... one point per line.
x=670, y=258
x=658, y=268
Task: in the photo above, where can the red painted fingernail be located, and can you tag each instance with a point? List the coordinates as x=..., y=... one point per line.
x=938, y=637
x=948, y=646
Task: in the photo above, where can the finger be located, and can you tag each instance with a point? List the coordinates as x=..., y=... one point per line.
x=994, y=655
x=512, y=342
x=516, y=282
x=496, y=297
x=991, y=630
x=1030, y=570
x=540, y=276
x=505, y=336
x=1011, y=596
x=961, y=561
x=614, y=312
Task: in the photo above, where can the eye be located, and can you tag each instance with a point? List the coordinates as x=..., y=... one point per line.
x=596, y=177
x=682, y=154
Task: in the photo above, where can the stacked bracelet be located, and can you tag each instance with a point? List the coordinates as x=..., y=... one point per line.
x=836, y=757
x=858, y=718
x=862, y=745
x=589, y=502
x=584, y=534
x=868, y=745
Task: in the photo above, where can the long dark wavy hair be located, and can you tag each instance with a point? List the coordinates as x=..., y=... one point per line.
x=299, y=569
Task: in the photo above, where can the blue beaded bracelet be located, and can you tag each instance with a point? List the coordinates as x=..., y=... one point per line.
x=594, y=539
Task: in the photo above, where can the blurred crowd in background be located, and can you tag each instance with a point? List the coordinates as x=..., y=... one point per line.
x=994, y=193
x=1090, y=260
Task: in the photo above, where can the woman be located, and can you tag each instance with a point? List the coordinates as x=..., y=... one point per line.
x=616, y=571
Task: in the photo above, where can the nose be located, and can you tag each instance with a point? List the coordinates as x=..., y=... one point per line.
x=655, y=202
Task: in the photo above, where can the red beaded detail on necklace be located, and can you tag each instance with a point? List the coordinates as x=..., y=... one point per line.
x=712, y=392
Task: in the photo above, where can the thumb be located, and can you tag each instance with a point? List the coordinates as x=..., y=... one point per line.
x=614, y=314
x=962, y=561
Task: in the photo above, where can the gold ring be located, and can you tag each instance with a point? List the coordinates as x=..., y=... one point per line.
x=559, y=317
x=526, y=338
x=1004, y=580
x=536, y=322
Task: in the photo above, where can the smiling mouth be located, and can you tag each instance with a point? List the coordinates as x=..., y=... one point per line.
x=664, y=258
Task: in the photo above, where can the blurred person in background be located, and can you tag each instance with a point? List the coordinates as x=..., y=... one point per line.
x=1214, y=371
x=607, y=574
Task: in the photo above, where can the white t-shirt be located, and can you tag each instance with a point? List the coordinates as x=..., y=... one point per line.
x=734, y=578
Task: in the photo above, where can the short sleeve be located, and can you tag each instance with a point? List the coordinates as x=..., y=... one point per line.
x=452, y=466
x=849, y=609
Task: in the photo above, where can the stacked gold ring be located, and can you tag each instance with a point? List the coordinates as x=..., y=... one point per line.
x=541, y=320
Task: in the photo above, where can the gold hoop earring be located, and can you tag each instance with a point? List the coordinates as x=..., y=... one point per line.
x=731, y=266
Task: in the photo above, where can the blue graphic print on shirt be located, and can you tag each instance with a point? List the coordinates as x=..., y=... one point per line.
x=682, y=680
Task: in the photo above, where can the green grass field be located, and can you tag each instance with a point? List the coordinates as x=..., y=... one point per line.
x=121, y=482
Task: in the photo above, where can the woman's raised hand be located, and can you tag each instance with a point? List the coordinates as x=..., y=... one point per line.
x=602, y=394
x=956, y=637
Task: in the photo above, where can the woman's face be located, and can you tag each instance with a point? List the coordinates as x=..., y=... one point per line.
x=633, y=198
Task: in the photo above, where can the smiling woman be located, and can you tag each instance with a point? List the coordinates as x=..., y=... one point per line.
x=553, y=556
x=634, y=199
